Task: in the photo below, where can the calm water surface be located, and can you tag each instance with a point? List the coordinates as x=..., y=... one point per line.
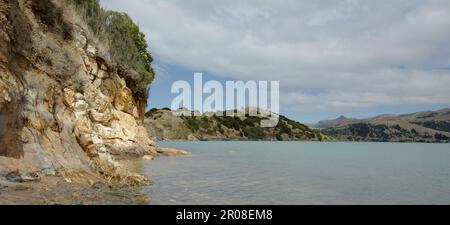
x=302, y=173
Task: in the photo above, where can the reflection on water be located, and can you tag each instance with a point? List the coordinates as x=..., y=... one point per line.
x=302, y=173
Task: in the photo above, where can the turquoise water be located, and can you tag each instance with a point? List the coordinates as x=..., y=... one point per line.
x=302, y=173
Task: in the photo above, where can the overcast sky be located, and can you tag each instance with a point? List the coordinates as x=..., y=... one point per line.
x=351, y=57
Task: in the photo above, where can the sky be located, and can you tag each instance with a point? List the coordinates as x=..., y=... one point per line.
x=357, y=58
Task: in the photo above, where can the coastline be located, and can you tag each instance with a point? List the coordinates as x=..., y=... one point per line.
x=304, y=141
x=57, y=191
x=17, y=188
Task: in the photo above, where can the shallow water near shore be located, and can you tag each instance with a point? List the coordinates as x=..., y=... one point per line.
x=301, y=173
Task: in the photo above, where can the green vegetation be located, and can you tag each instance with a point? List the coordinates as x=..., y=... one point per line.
x=253, y=133
x=360, y=131
x=441, y=137
x=246, y=127
x=127, y=43
x=295, y=124
x=151, y=112
x=51, y=17
x=283, y=128
x=436, y=125
x=191, y=123
x=91, y=13
x=372, y=132
x=278, y=137
x=232, y=122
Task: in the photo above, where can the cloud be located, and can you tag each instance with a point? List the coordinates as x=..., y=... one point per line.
x=328, y=55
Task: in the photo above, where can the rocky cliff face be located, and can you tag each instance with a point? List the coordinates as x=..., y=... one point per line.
x=65, y=107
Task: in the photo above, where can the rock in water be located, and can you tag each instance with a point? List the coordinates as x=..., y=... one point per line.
x=22, y=177
x=172, y=152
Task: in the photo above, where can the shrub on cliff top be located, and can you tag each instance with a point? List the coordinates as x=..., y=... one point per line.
x=127, y=43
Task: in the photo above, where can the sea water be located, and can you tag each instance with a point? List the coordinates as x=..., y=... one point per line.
x=301, y=173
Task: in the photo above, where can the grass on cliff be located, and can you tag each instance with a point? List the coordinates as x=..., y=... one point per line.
x=127, y=43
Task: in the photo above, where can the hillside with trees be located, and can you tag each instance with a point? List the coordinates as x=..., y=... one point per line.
x=164, y=125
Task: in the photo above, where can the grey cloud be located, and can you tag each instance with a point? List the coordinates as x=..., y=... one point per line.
x=328, y=55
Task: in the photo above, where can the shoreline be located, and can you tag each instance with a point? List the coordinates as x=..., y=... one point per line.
x=304, y=141
x=18, y=188
x=57, y=191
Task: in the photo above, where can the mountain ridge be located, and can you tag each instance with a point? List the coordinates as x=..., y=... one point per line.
x=425, y=126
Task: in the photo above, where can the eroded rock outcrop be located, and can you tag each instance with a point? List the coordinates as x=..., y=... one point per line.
x=65, y=107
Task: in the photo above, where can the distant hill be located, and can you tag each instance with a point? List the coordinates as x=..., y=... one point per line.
x=430, y=126
x=334, y=122
x=164, y=125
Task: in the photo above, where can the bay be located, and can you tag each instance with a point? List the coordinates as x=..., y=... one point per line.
x=301, y=173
